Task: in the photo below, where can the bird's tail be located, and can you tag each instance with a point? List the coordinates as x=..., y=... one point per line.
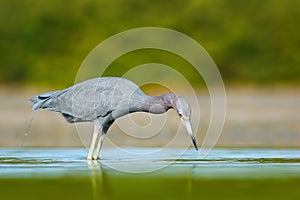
x=39, y=101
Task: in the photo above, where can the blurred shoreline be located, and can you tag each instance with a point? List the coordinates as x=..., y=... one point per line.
x=256, y=117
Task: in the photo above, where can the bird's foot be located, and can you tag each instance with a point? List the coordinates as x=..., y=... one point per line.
x=96, y=158
x=89, y=158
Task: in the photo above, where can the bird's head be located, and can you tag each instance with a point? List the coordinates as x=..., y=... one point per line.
x=183, y=109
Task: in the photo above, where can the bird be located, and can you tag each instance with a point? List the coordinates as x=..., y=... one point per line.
x=102, y=100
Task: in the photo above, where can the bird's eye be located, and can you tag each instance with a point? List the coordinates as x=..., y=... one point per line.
x=180, y=114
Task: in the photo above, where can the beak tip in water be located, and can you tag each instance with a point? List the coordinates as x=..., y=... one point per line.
x=195, y=144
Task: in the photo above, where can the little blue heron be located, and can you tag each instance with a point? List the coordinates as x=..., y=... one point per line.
x=103, y=100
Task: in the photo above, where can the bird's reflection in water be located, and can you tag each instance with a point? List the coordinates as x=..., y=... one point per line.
x=99, y=179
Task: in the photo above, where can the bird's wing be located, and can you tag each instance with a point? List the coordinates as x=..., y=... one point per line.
x=94, y=98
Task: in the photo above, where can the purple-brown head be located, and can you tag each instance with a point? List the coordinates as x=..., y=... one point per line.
x=183, y=109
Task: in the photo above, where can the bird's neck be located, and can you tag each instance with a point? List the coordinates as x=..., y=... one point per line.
x=157, y=104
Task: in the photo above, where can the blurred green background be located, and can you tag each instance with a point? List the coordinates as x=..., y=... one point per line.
x=252, y=42
x=255, y=45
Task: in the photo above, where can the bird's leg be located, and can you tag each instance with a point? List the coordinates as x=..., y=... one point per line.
x=96, y=155
x=95, y=136
x=105, y=126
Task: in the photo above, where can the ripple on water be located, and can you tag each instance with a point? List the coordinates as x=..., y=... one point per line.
x=238, y=160
x=12, y=161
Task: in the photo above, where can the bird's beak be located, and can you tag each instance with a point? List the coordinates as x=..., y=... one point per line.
x=188, y=126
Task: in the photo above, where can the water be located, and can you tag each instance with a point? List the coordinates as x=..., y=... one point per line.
x=42, y=173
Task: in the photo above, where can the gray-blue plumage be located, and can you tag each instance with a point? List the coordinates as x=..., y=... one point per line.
x=92, y=99
x=103, y=100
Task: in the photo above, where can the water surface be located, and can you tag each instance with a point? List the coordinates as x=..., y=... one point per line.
x=43, y=173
